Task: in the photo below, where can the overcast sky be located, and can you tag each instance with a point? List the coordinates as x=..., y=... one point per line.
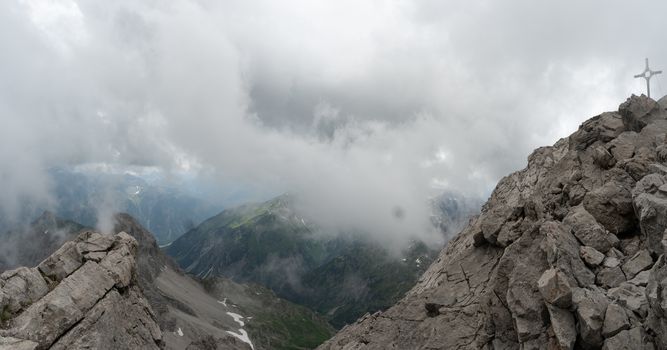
x=358, y=106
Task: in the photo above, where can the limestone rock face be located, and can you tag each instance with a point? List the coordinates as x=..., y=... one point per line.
x=84, y=296
x=566, y=254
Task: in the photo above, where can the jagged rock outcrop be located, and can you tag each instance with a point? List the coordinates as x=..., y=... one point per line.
x=567, y=253
x=83, y=296
x=192, y=314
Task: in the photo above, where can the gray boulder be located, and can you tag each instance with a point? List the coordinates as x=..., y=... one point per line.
x=555, y=288
x=639, y=262
x=623, y=147
x=562, y=251
x=611, y=262
x=90, y=304
x=615, y=320
x=563, y=326
x=635, y=110
x=651, y=210
x=633, y=339
x=602, y=128
x=603, y=158
x=591, y=256
x=631, y=297
x=20, y=287
x=610, y=277
x=591, y=306
x=62, y=263
x=587, y=230
x=641, y=279
x=611, y=206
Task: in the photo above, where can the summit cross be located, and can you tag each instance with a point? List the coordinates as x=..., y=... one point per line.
x=647, y=74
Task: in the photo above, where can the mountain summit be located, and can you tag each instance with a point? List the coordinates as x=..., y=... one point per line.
x=567, y=253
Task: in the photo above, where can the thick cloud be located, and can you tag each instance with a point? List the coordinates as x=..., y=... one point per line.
x=359, y=107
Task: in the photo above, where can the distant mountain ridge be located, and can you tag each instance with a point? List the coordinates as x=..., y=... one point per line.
x=85, y=197
x=453, y=210
x=270, y=243
x=27, y=245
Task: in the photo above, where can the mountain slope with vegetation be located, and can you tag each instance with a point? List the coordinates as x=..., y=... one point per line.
x=269, y=243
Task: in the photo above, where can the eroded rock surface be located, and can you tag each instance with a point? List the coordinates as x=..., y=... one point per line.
x=84, y=296
x=566, y=254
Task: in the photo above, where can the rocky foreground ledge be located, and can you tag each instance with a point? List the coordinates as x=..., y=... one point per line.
x=84, y=296
x=568, y=253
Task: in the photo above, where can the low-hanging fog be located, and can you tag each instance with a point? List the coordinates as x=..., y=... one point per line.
x=361, y=108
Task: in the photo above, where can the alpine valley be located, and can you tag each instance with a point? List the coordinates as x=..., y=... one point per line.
x=341, y=277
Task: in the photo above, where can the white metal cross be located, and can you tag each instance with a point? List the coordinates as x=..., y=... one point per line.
x=647, y=74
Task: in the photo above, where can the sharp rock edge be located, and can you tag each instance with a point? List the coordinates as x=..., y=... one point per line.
x=567, y=253
x=83, y=296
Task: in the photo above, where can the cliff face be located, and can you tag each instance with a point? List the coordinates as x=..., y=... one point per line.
x=84, y=296
x=567, y=253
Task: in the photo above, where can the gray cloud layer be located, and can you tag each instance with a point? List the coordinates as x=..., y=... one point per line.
x=358, y=106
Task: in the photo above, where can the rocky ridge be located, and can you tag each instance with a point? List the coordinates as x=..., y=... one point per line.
x=568, y=253
x=197, y=315
x=83, y=296
x=191, y=314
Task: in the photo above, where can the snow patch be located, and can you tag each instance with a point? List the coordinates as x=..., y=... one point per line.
x=179, y=332
x=237, y=318
x=243, y=336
